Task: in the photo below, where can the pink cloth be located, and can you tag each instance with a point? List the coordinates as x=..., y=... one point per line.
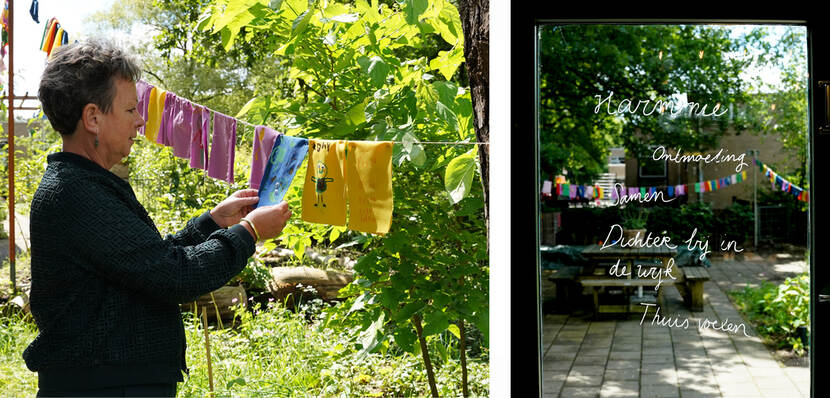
x=222, y=147
x=143, y=90
x=200, y=126
x=181, y=128
x=264, y=138
x=170, y=101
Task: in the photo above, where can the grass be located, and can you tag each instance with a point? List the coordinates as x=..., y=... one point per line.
x=271, y=352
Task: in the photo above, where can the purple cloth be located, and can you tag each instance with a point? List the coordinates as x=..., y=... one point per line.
x=222, y=147
x=264, y=138
x=200, y=126
x=143, y=90
x=181, y=128
x=170, y=101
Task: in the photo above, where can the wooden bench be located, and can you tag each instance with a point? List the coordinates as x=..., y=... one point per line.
x=597, y=283
x=693, y=281
x=564, y=278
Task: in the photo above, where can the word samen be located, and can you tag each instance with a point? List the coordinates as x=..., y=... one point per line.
x=659, y=106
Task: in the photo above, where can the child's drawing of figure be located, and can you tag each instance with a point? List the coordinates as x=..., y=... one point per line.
x=321, y=181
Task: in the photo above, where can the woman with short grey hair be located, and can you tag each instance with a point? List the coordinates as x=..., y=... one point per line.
x=106, y=286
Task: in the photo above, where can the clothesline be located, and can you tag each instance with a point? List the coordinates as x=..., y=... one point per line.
x=396, y=142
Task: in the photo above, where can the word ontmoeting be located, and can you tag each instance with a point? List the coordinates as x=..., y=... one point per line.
x=720, y=157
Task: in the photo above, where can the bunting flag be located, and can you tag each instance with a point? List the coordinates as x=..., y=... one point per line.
x=776, y=180
x=222, y=148
x=181, y=128
x=5, y=33
x=369, y=185
x=285, y=158
x=33, y=11
x=324, y=191
x=155, y=109
x=143, y=90
x=546, y=186
x=264, y=138
x=200, y=124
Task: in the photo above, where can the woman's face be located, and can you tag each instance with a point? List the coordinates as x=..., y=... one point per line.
x=120, y=124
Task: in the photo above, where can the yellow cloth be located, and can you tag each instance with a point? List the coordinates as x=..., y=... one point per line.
x=369, y=185
x=56, y=42
x=324, y=190
x=155, y=109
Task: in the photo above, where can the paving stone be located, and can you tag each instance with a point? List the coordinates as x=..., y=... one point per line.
x=554, y=375
x=622, y=374
x=622, y=364
x=591, y=360
x=657, y=368
x=563, y=348
x=562, y=356
x=619, y=389
x=659, y=392
x=587, y=370
x=594, y=351
x=630, y=355
x=556, y=365
x=578, y=379
x=552, y=387
x=580, y=392
x=662, y=359
x=734, y=388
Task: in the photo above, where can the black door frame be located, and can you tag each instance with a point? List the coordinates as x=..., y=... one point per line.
x=525, y=308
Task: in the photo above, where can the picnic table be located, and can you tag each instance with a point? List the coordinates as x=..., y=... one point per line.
x=687, y=280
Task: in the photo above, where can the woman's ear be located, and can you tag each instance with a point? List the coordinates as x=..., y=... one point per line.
x=89, y=117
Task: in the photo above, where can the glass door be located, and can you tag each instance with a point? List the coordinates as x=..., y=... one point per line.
x=673, y=200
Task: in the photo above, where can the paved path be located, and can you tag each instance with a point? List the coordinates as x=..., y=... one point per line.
x=622, y=358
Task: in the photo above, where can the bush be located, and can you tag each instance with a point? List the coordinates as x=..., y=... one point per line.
x=778, y=311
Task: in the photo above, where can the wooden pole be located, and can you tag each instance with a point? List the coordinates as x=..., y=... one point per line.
x=207, y=349
x=11, y=148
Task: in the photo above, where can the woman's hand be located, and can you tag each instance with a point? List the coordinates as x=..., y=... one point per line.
x=269, y=220
x=234, y=207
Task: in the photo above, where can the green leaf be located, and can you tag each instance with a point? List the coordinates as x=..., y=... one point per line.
x=235, y=15
x=458, y=177
x=405, y=337
x=371, y=337
x=449, y=25
x=447, y=91
x=414, y=150
x=359, y=304
x=427, y=95
x=435, y=322
x=447, y=115
x=408, y=310
x=294, y=8
x=237, y=381
x=376, y=68
x=335, y=233
x=353, y=118
x=413, y=9
x=453, y=328
x=300, y=23
x=447, y=62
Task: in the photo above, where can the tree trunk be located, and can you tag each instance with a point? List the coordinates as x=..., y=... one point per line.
x=475, y=21
x=463, y=348
x=416, y=319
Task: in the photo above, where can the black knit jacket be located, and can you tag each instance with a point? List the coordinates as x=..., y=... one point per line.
x=106, y=286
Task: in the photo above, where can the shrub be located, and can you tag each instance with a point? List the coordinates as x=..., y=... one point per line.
x=778, y=311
